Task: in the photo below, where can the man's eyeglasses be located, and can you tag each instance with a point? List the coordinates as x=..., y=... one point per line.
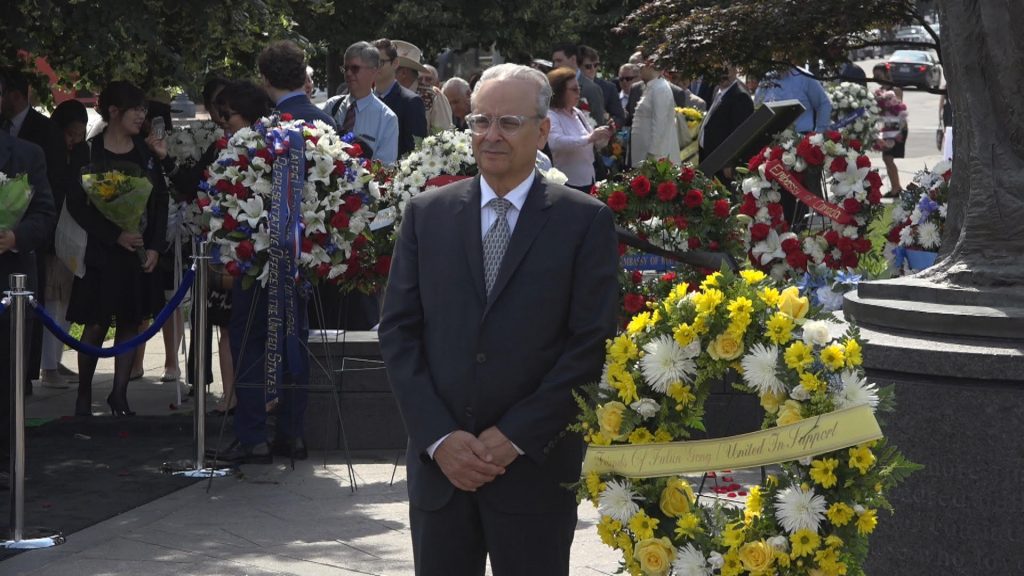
x=356, y=68
x=480, y=124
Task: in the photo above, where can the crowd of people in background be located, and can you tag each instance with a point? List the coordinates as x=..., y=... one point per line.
x=391, y=99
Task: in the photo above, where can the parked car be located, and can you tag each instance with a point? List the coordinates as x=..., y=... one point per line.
x=920, y=68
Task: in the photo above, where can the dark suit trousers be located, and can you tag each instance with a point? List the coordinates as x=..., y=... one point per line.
x=248, y=337
x=455, y=540
x=6, y=380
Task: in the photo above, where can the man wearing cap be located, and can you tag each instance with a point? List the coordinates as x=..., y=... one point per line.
x=413, y=75
x=406, y=104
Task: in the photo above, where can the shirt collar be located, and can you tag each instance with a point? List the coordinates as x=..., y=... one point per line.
x=517, y=196
x=384, y=93
x=291, y=94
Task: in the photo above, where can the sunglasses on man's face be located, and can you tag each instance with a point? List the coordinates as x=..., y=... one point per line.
x=627, y=78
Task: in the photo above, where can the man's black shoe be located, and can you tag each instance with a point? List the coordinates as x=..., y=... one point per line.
x=290, y=448
x=242, y=454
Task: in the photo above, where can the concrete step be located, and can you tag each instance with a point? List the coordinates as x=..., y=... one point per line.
x=946, y=319
x=923, y=290
x=941, y=355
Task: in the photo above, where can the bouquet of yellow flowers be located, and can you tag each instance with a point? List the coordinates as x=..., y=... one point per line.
x=813, y=516
x=15, y=194
x=688, y=126
x=120, y=198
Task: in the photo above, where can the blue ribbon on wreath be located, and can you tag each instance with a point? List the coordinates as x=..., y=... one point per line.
x=284, y=313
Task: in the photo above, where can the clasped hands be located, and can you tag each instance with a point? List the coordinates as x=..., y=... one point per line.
x=470, y=461
x=8, y=241
x=130, y=241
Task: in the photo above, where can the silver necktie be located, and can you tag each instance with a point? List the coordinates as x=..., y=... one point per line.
x=496, y=241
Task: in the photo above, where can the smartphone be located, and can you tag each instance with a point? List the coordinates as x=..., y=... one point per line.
x=157, y=127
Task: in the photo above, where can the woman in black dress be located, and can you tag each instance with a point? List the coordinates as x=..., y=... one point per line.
x=117, y=288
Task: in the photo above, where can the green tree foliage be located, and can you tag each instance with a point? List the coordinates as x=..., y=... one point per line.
x=154, y=43
x=696, y=36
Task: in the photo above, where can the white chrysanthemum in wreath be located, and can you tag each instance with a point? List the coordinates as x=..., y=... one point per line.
x=664, y=362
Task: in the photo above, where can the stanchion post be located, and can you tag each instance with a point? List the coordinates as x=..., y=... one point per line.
x=200, y=291
x=199, y=297
x=17, y=311
x=19, y=298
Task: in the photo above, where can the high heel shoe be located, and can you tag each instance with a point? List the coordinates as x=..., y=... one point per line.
x=83, y=407
x=119, y=411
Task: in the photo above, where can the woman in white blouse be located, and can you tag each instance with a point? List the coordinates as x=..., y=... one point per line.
x=572, y=140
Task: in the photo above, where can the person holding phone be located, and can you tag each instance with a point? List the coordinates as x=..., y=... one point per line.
x=117, y=289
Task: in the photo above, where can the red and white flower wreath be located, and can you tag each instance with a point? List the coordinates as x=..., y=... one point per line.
x=854, y=200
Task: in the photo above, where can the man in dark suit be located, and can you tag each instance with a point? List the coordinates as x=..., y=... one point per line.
x=25, y=123
x=17, y=249
x=406, y=104
x=704, y=89
x=590, y=61
x=501, y=296
x=283, y=67
x=567, y=56
x=731, y=106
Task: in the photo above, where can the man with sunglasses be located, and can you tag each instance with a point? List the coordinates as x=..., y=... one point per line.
x=629, y=74
x=359, y=111
x=590, y=62
x=501, y=296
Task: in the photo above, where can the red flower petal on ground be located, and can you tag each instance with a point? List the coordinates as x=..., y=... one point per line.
x=640, y=185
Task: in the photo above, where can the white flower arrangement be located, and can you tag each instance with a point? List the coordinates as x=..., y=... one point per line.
x=855, y=110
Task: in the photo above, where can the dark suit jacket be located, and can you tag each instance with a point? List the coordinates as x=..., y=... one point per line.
x=412, y=117
x=705, y=90
x=459, y=360
x=302, y=109
x=612, y=105
x=735, y=107
x=595, y=98
x=36, y=227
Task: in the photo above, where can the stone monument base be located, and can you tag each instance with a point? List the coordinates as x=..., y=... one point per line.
x=912, y=325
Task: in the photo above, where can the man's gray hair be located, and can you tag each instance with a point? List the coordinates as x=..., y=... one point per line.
x=629, y=68
x=519, y=72
x=456, y=83
x=365, y=52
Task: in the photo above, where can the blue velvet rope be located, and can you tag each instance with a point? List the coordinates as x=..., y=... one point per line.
x=128, y=345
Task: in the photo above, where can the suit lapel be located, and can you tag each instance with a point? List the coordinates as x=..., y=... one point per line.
x=531, y=220
x=468, y=221
x=6, y=144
